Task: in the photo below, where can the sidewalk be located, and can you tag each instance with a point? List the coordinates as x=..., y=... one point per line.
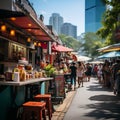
x=63, y=107
x=91, y=102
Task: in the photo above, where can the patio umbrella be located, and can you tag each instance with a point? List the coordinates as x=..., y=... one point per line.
x=83, y=58
x=96, y=62
x=110, y=55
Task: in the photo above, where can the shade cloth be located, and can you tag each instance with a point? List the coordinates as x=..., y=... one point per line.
x=61, y=48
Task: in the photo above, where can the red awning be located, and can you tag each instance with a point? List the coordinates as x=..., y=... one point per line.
x=29, y=24
x=60, y=48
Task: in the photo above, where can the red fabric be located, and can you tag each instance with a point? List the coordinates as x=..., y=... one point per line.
x=60, y=48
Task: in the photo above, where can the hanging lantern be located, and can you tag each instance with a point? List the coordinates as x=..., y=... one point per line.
x=28, y=39
x=39, y=44
x=35, y=43
x=13, y=18
x=3, y=28
x=12, y=32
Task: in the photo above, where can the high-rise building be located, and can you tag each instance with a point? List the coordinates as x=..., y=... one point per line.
x=69, y=29
x=56, y=21
x=94, y=10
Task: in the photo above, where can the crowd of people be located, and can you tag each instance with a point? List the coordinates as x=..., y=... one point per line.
x=107, y=73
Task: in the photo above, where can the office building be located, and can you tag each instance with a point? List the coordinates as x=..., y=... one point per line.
x=94, y=10
x=69, y=29
x=56, y=21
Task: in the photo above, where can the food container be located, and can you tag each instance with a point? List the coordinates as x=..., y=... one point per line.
x=16, y=77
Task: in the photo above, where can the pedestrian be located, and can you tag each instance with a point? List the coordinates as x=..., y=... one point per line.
x=116, y=72
x=107, y=74
x=80, y=73
x=73, y=71
x=88, y=71
x=99, y=73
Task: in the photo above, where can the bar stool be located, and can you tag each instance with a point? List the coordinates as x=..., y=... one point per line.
x=34, y=110
x=47, y=99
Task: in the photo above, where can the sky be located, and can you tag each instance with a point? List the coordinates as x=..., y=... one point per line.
x=72, y=11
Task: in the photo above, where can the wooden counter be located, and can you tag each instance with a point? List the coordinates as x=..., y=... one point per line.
x=30, y=81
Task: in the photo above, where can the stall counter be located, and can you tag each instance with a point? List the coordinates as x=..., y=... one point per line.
x=30, y=81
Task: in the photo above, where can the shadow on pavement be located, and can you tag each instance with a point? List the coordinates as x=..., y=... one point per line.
x=98, y=87
x=105, y=110
x=108, y=106
x=105, y=98
x=105, y=106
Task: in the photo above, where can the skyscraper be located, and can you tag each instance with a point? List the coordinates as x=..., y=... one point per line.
x=94, y=10
x=56, y=21
x=69, y=29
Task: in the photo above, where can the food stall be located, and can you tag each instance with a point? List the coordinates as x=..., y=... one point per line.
x=20, y=53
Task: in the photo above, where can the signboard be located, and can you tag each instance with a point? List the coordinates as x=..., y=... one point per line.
x=60, y=85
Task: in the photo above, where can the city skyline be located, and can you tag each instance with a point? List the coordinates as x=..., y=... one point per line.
x=72, y=11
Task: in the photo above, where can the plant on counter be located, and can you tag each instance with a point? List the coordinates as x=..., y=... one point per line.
x=50, y=70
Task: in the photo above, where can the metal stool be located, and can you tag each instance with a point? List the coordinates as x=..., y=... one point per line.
x=34, y=110
x=47, y=99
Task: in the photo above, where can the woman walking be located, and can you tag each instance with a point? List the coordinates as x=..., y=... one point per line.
x=80, y=73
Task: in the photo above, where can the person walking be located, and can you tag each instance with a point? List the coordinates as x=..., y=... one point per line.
x=73, y=72
x=80, y=73
x=88, y=71
x=116, y=73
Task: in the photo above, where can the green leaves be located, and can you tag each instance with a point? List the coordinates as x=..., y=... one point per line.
x=110, y=22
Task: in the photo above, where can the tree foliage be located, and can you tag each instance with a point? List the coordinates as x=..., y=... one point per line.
x=70, y=42
x=92, y=42
x=110, y=21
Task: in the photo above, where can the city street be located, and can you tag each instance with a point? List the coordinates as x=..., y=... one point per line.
x=93, y=102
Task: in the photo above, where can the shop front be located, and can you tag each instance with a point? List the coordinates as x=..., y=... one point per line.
x=22, y=43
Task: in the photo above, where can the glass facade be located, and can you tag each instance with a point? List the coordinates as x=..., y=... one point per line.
x=56, y=21
x=94, y=10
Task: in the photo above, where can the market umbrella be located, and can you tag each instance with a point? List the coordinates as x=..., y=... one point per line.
x=96, y=62
x=110, y=55
x=83, y=58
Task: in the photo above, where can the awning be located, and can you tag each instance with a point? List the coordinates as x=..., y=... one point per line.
x=61, y=48
x=110, y=55
x=113, y=47
x=28, y=23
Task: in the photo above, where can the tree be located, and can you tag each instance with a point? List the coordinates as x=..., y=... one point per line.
x=111, y=22
x=91, y=43
x=70, y=42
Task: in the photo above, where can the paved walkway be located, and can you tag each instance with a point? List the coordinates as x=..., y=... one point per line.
x=91, y=102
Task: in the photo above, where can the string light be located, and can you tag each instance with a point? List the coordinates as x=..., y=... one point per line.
x=3, y=28
x=28, y=39
x=12, y=32
x=35, y=43
x=39, y=44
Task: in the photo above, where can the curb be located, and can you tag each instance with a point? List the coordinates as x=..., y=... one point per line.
x=62, y=109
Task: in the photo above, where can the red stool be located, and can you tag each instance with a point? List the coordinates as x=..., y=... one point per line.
x=34, y=110
x=47, y=99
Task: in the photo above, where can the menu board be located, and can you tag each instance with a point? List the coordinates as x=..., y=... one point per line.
x=60, y=85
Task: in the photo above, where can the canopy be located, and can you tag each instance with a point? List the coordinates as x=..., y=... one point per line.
x=96, y=62
x=110, y=55
x=109, y=48
x=60, y=48
x=28, y=23
x=83, y=58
